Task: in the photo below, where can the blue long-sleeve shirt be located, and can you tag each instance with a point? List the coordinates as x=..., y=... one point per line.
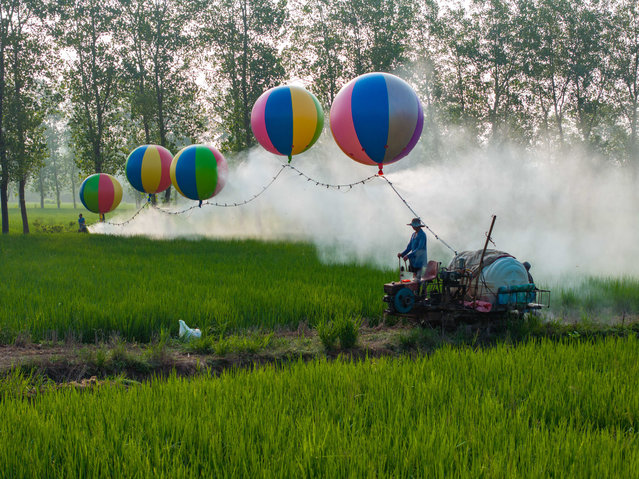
x=416, y=249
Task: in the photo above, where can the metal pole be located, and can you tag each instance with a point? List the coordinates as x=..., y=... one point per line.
x=481, y=261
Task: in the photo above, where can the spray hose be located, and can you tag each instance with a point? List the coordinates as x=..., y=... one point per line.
x=416, y=215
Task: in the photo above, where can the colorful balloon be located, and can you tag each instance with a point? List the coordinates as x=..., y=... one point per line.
x=100, y=193
x=287, y=120
x=376, y=119
x=147, y=168
x=199, y=172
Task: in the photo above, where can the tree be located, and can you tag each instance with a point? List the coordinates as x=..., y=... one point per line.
x=587, y=50
x=462, y=98
x=25, y=93
x=497, y=60
x=93, y=83
x=625, y=66
x=423, y=71
x=545, y=64
x=376, y=33
x=6, y=13
x=159, y=42
x=55, y=175
x=316, y=51
x=243, y=35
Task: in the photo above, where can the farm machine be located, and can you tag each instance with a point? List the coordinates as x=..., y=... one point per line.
x=481, y=285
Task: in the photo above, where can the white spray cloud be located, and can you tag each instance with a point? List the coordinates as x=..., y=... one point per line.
x=569, y=217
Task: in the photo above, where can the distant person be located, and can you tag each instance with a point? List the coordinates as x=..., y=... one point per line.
x=527, y=266
x=82, y=225
x=415, y=252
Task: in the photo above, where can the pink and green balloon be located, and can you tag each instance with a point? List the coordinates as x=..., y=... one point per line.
x=100, y=193
x=376, y=119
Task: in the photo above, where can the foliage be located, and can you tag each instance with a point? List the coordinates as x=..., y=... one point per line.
x=457, y=413
x=94, y=285
x=158, y=69
x=342, y=328
x=243, y=35
x=328, y=333
x=93, y=83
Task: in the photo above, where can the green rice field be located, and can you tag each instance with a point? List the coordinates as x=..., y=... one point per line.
x=523, y=405
x=543, y=409
x=52, y=219
x=91, y=286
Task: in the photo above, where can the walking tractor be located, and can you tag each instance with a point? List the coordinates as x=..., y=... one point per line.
x=477, y=285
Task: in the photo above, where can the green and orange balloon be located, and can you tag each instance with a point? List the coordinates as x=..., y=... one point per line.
x=199, y=172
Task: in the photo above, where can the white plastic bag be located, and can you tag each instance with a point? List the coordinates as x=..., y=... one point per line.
x=188, y=333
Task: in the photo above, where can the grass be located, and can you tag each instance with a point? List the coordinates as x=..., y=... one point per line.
x=91, y=286
x=52, y=219
x=61, y=285
x=603, y=298
x=543, y=409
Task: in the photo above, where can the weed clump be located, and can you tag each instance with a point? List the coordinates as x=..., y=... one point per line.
x=344, y=329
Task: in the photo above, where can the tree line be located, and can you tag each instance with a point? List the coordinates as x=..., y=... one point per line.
x=83, y=82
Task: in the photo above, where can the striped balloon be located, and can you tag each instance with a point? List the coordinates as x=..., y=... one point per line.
x=100, y=193
x=287, y=120
x=376, y=119
x=199, y=172
x=147, y=168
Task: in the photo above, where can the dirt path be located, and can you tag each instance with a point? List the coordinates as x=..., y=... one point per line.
x=75, y=362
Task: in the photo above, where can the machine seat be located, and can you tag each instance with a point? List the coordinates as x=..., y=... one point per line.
x=431, y=271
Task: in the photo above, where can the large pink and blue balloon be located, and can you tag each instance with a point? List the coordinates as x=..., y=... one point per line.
x=287, y=120
x=199, y=172
x=376, y=119
x=100, y=193
x=147, y=168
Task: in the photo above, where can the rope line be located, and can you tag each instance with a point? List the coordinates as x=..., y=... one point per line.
x=131, y=218
x=416, y=215
x=267, y=186
x=282, y=168
x=328, y=185
x=226, y=205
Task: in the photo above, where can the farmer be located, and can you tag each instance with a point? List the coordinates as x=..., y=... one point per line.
x=415, y=252
x=82, y=226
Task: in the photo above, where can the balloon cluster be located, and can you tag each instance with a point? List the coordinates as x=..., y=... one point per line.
x=197, y=172
x=376, y=119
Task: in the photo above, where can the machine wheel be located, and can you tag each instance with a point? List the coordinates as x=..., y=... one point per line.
x=404, y=300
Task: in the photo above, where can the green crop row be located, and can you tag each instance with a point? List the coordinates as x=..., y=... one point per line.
x=543, y=409
x=55, y=220
x=90, y=286
x=600, y=297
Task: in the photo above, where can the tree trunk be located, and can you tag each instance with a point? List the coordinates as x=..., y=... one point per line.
x=56, y=182
x=73, y=189
x=4, y=179
x=23, y=205
x=41, y=185
x=4, y=201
